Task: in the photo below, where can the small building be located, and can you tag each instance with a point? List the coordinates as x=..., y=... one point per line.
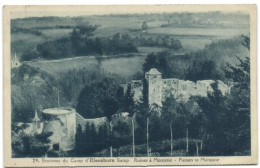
x=15, y=62
x=35, y=127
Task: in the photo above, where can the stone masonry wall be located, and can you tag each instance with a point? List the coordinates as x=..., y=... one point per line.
x=159, y=89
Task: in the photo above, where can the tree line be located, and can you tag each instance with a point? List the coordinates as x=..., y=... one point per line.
x=81, y=43
x=208, y=63
x=158, y=41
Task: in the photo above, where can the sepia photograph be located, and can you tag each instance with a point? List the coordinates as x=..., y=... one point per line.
x=171, y=85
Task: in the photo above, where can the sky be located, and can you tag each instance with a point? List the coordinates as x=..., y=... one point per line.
x=31, y=11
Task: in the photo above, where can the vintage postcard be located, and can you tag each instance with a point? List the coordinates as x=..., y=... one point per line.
x=133, y=85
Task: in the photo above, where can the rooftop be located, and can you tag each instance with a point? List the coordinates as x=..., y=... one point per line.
x=154, y=71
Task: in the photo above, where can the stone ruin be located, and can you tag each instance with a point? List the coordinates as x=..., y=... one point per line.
x=159, y=89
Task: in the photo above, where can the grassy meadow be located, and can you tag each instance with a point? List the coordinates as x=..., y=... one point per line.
x=122, y=66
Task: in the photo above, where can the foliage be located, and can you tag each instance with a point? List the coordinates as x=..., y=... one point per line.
x=30, y=94
x=144, y=25
x=228, y=117
x=208, y=63
x=81, y=43
x=169, y=110
x=95, y=98
x=72, y=82
x=40, y=89
x=23, y=30
x=90, y=141
x=158, y=61
x=119, y=44
x=158, y=41
x=29, y=55
x=203, y=70
x=109, y=105
x=30, y=146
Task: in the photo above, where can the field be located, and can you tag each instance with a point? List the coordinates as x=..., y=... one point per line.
x=217, y=33
x=55, y=33
x=151, y=49
x=108, y=25
x=121, y=66
x=192, y=39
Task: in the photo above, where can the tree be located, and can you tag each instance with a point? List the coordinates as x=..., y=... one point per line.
x=92, y=96
x=169, y=115
x=228, y=116
x=203, y=70
x=101, y=99
x=131, y=109
x=79, y=141
x=91, y=139
x=238, y=102
x=29, y=55
x=144, y=26
x=246, y=41
x=144, y=110
x=110, y=107
x=40, y=145
x=143, y=113
x=30, y=146
x=184, y=110
x=158, y=61
x=217, y=123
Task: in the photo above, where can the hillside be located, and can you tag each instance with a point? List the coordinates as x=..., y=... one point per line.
x=193, y=29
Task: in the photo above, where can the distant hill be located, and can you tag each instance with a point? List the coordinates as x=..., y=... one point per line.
x=28, y=32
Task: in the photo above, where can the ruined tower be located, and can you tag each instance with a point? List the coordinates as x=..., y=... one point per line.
x=62, y=123
x=154, y=82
